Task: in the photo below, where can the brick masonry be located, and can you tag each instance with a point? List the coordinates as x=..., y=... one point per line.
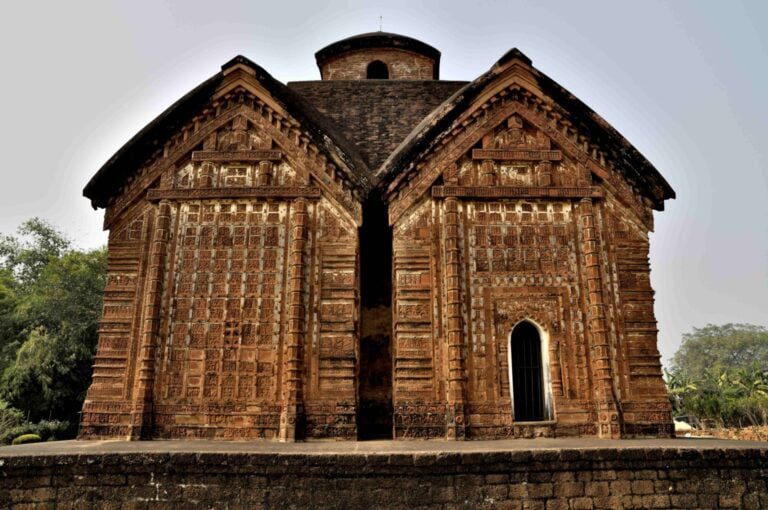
x=536, y=479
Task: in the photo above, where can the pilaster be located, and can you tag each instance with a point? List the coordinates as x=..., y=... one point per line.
x=608, y=419
x=141, y=409
x=293, y=365
x=457, y=376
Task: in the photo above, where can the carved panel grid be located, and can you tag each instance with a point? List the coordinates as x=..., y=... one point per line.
x=520, y=237
x=225, y=308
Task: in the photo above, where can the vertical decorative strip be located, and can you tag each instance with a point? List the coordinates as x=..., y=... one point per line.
x=141, y=412
x=290, y=421
x=608, y=421
x=265, y=173
x=457, y=377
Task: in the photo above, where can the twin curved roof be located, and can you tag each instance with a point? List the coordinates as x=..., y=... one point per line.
x=375, y=127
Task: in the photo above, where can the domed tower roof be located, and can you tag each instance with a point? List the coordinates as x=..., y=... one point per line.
x=404, y=58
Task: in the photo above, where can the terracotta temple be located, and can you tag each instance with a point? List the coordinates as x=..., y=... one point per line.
x=378, y=254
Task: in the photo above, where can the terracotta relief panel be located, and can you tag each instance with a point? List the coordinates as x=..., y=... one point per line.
x=223, y=328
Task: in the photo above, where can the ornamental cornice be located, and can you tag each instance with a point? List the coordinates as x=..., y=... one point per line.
x=194, y=133
x=460, y=138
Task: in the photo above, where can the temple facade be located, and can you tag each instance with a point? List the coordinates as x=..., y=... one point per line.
x=378, y=254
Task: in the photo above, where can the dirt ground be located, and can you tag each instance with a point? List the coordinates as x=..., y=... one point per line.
x=759, y=433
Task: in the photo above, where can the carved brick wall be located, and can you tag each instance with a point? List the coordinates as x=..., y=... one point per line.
x=248, y=326
x=222, y=330
x=332, y=344
x=106, y=412
x=645, y=405
x=418, y=333
x=537, y=239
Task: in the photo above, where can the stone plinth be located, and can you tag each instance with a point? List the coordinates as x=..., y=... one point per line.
x=545, y=473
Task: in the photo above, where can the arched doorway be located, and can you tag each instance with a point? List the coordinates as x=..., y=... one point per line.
x=527, y=373
x=377, y=70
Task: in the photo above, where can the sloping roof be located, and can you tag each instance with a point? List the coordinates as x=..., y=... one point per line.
x=379, y=40
x=629, y=160
x=104, y=184
x=376, y=115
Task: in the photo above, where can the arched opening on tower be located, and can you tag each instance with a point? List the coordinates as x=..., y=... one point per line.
x=374, y=417
x=526, y=373
x=377, y=70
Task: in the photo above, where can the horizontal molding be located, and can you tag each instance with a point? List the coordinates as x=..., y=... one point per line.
x=517, y=154
x=516, y=192
x=154, y=195
x=253, y=155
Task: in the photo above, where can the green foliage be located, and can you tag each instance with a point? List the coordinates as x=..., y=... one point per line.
x=49, y=376
x=9, y=417
x=720, y=374
x=27, y=255
x=47, y=430
x=721, y=348
x=50, y=305
x=11, y=328
x=26, y=438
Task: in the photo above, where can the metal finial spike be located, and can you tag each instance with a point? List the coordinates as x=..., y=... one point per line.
x=381, y=23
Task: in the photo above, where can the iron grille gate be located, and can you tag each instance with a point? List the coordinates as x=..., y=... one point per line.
x=527, y=384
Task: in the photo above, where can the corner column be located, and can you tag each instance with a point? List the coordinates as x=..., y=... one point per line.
x=141, y=410
x=291, y=418
x=608, y=419
x=457, y=376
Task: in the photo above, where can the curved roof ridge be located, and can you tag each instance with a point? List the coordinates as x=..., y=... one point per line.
x=135, y=152
x=440, y=119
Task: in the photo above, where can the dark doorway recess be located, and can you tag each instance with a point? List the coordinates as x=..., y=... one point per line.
x=377, y=70
x=527, y=384
x=374, y=417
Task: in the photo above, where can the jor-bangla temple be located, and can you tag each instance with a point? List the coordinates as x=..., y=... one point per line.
x=378, y=254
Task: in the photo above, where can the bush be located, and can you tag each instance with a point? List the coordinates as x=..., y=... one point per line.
x=26, y=438
x=46, y=430
x=53, y=430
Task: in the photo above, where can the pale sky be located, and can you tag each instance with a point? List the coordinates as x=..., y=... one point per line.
x=684, y=81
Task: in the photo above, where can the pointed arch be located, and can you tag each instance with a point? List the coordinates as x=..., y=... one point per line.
x=530, y=385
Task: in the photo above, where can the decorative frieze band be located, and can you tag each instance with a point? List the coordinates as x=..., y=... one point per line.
x=519, y=155
x=516, y=192
x=238, y=156
x=154, y=195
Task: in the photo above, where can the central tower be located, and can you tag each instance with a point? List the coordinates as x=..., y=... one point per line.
x=379, y=55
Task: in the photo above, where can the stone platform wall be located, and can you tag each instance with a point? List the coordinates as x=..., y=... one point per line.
x=546, y=479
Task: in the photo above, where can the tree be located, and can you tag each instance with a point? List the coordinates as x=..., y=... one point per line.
x=38, y=243
x=11, y=334
x=720, y=373
x=721, y=348
x=50, y=305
